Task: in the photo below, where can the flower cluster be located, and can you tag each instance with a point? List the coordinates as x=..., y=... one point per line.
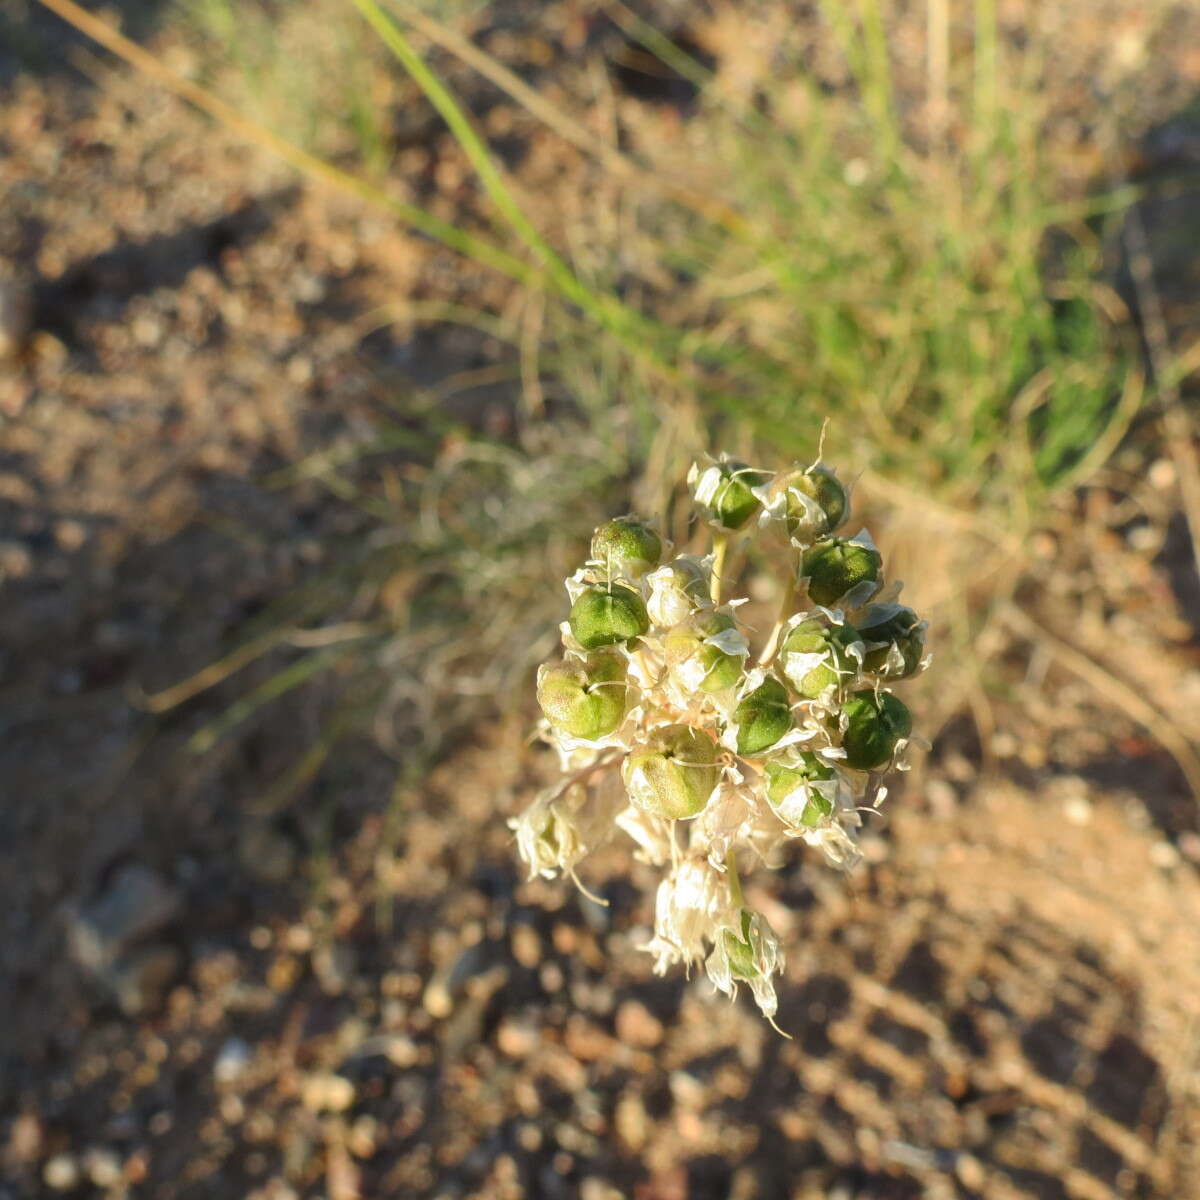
x=706, y=751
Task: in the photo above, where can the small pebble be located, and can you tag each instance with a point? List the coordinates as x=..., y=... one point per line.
x=437, y=999
x=632, y=1121
x=1161, y=474
x=15, y=560
x=1164, y=855
x=103, y=1167
x=232, y=1060
x=327, y=1093
x=61, y=1173
x=516, y=1038
x=637, y=1025
x=526, y=945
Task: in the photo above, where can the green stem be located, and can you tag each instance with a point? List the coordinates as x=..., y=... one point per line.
x=720, y=549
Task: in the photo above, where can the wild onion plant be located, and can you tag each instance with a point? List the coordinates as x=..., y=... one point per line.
x=708, y=755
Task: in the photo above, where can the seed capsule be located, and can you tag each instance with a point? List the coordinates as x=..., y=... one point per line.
x=815, y=656
x=673, y=773
x=677, y=589
x=904, y=634
x=739, y=951
x=810, y=503
x=789, y=790
x=836, y=567
x=873, y=726
x=725, y=490
x=627, y=546
x=762, y=718
x=585, y=699
x=706, y=651
x=607, y=613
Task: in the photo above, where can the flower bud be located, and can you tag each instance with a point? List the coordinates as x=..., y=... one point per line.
x=677, y=589
x=673, y=773
x=810, y=503
x=706, y=651
x=725, y=490
x=790, y=790
x=815, y=656
x=841, y=571
x=874, y=723
x=585, y=699
x=607, y=613
x=903, y=635
x=627, y=546
x=762, y=718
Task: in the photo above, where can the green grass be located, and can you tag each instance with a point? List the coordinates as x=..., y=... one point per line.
x=825, y=252
x=930, y=295
x=909, y=294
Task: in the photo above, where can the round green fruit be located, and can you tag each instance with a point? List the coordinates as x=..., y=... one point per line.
x=835, y=566
x=605, y=614
x=785, y=779
x=673, y=773
x=762, y=718
x=726, y=490
x=627, y=546
x=585, y=699
x=695, y=655
x=826, y=507
x=899, y=627
x=874, y=724
x=830, y=641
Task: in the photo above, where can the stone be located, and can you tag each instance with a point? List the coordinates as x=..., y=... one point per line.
x=232, y=1060
x=61, y=1173
x=103, y=1167
x=136, y=903
x=637, y=1025
x=326, y=1092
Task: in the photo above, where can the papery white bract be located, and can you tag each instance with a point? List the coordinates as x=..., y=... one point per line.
x=692, y=905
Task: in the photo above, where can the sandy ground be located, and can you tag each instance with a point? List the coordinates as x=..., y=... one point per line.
x=359, y=996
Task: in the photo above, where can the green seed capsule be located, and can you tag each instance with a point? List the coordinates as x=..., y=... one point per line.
x=673, y=773
x=705, y=652
x=627, y=546
x=725, y=491
x=786, y=779
x=740, y=951
x=587, y=699
x=812, y=679
x=762, y=718
x=607, y=613
x=874, y=724
x=900, y=628
x=835, y=566
x=811, y=503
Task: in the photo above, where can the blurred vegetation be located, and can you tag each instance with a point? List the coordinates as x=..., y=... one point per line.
x=909, y=266
x=917, y=278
